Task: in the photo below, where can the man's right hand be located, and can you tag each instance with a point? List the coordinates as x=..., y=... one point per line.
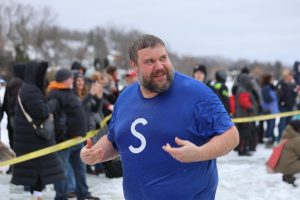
x=91, y=155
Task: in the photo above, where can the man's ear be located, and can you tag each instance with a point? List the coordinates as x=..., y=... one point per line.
x=133, y=65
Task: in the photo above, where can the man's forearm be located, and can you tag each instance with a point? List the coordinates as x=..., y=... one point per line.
x=219, y=145
x=109, y=151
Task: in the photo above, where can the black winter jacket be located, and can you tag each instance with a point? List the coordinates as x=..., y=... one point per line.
x=12, y=90
x=70, y=120
x=48, y=168
x=286, y=95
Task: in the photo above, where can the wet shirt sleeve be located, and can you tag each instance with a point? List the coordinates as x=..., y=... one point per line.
x=211, y=118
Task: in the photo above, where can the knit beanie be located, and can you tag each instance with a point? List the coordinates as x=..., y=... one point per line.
x=201, y=68
x=62, y=75
x=221, y=76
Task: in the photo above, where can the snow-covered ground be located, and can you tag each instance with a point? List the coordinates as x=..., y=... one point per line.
x=241, y=178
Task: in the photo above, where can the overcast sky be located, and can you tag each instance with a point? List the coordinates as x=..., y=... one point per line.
x=263, y=30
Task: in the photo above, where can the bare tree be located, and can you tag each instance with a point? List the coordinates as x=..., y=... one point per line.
x=120, y=40
x=96, y=38
x=42, y=38
x=18, y=18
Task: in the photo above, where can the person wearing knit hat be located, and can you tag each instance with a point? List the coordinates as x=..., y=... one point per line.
x=200, y=73
x=63, y=80
x=69, y=123
x=62, y=75
x=77, y=66
x=200, y=68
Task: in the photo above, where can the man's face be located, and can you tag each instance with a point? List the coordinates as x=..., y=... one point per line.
x=154, y=69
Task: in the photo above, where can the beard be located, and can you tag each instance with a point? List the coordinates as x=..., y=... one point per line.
x=157, y=87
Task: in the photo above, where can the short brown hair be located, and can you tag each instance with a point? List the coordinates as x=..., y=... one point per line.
x=145, y=41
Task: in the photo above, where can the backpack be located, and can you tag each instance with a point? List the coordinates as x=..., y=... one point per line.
x=275, y=156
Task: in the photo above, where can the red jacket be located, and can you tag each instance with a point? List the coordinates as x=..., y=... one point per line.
x=244, y=101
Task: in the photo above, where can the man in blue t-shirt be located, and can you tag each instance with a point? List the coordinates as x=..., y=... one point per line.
x=168, y=130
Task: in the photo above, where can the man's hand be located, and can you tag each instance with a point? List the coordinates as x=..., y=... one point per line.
x=186, y=152
x=91, y=155
x=217, y=146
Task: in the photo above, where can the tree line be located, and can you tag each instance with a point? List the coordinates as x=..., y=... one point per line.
x=30, y=33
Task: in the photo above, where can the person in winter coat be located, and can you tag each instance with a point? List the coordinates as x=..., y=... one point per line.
x=246, y=106
x=36, y=172
x=200, y=74
x=91, y=98
x=92, y=101
x=270, y=105
x=109, y=97
x=256, y=92
x=221, y=89
x=289, y=162
x=10, y=100
x=70, y=122
x=287, y=94
x=113, y=72
x=296, y=72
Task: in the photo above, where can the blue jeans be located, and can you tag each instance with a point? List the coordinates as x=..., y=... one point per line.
x=270, y=129
x=283, y=122
x=71, y=183
x=72, y=156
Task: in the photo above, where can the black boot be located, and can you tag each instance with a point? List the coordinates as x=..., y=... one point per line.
x=244, y=153
x=290, y=179
x=89, y=170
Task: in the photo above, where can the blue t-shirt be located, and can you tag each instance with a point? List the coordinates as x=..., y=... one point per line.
x=140, y=127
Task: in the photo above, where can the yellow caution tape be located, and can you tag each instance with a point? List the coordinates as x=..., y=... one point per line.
x=78, y=140
x=54, y=148
x=265, y=117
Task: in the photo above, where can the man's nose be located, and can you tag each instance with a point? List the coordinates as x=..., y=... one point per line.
x=159, y=65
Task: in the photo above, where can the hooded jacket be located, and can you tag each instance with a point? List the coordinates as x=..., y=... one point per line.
x=48, y=168
x=296, y=70
x=246, y=103
x=12, y=89
x=221, y=89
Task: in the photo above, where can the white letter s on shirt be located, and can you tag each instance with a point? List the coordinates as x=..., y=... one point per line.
x=138, y=135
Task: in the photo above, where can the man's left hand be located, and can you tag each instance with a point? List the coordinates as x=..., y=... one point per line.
x=186, y=152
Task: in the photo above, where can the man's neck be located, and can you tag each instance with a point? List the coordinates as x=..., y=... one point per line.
x=147, y=94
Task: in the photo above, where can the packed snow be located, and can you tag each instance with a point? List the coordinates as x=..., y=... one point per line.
x=240, y=178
